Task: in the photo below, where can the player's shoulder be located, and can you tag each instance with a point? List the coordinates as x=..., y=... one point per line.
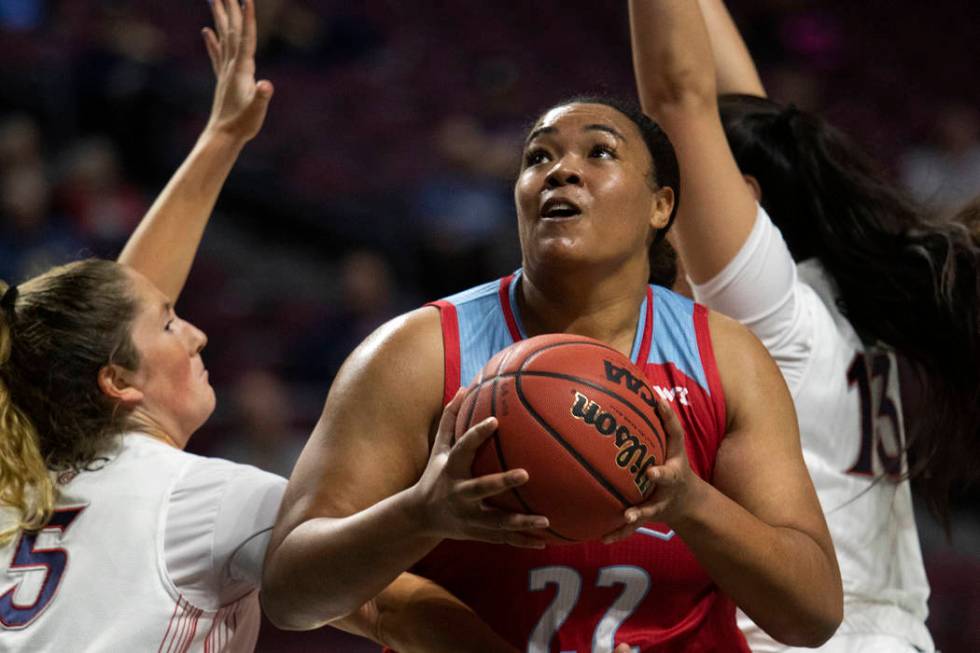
x=136, y=450
x=743, y=361
x=670, y=299
x=480, y=293
x=146, y=457
x=408, y=336
x=401, y=358
x=725, y=328
x=819, y=290
x=204, y=471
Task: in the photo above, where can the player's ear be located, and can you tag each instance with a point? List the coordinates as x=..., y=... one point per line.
x=661, y=206
x=115, y=383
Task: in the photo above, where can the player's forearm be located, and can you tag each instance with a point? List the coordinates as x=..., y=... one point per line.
x=325, y=568
x=672, y=56
x=734, y=68
x=781, y=577
x=416, y=614
x=165, y=242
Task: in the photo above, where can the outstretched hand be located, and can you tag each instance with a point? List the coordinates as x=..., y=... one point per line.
x=674, y=482
x=240, y=103
x=451, y=501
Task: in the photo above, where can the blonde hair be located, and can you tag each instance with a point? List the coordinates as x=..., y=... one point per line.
x=25, y=484
x=56, y=333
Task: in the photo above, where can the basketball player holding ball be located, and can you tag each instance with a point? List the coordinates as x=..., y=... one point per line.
x=733, y=518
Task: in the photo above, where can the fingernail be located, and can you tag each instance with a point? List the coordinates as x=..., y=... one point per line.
x=630, y=517
x=540, y=522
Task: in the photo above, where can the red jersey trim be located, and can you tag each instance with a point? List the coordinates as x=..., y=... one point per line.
x=647, y=341
x=707, y=353
x=504, y=293
x=450, y=342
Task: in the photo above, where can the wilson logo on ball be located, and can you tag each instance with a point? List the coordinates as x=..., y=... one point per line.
x=632, y=453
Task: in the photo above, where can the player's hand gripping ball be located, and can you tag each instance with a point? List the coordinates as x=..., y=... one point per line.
x=580, y=418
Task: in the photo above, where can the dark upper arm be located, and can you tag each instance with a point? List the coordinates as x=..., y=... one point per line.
x=373, y=437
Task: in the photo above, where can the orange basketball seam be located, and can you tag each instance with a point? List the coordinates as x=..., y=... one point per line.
x=594, y=386
x=568, y=447
x=634, y=410
x=606, y=391
x=499, y=447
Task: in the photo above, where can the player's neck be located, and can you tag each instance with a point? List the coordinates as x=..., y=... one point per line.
x=605, y=308
x=145, y=424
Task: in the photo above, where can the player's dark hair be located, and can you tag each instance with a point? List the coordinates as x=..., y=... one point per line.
x=969, y=217
x=665, y=173
x=902, y=279
x=56, y=332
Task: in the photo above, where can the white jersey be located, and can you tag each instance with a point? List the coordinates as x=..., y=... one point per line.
x=150, y=549
x=850, y=413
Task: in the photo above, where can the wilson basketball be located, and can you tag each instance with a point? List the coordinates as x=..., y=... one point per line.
x=580, y=418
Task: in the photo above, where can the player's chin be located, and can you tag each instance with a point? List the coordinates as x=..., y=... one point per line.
x=208, y=403
x=563, y=251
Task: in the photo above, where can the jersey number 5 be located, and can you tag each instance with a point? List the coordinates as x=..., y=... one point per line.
x=29, y=557
x=881, y=421
x=635, y=582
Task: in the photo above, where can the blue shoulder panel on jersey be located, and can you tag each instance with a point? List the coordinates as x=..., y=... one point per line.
x=482, y=327
x=674, y=338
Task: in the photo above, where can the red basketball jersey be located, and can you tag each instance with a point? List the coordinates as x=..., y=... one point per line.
x=648, y=591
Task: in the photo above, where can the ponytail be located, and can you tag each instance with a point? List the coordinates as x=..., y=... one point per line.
x=25, y=485
x=904, y=278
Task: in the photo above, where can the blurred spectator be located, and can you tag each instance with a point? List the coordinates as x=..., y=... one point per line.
x=293, y=29
x=366, y=298
x=31, y=241
x=465, y=213
x=20, y=143
x=946, y=173
x=262, y=432
x=367, y=291
x=125, y=88
x=103, y=205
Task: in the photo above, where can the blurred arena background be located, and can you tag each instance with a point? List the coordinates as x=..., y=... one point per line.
x=382, y=177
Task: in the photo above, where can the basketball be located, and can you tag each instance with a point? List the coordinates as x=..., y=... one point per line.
x=579, y=417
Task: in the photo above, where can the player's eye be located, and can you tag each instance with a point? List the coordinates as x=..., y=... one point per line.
x=602, y=152
x=535, y=156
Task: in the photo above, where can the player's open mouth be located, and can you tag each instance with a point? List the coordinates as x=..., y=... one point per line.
x=559, y=209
